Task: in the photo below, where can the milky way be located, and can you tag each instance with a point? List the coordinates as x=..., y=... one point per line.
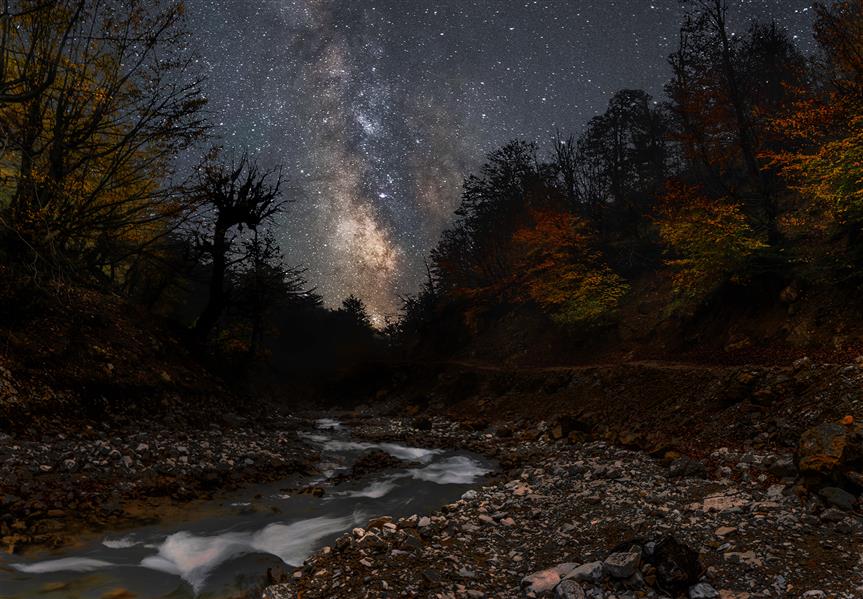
x=377, y=109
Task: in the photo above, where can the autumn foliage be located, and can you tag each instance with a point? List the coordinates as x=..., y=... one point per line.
x=710, y=240
x=563, y=272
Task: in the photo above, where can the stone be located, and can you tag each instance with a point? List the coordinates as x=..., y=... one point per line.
x=825, y=447
x=783, y=467
x=724, y=531
x=590, y=572
x=702, y=590
x=432, y=577
x=569, y=589
x=687, y=467
x=722, y=503
x=677, y=565
x=838, y=497
x=621, y=565
x=832, y=515
x=541, y=582
x=424, y=522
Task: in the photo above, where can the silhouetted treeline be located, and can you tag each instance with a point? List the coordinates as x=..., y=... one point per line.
x=749, y=168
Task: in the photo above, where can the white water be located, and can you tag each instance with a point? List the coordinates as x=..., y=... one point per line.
x=66, y=564
x=259, y=528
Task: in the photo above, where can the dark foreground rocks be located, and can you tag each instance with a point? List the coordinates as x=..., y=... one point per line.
x=593, y=520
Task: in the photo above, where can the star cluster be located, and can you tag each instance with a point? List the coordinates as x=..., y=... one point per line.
x=378, y=108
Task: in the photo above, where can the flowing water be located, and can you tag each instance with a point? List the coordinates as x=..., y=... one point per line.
x=229, y=544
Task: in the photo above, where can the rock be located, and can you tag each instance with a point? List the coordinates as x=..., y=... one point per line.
x=703, y=591
x=832, y=515
x=590, y=572
x=825, y=447
x=569, y=589
x=424, y=522
x=469, y=495
x=677, y=565
x=724, y=531
x=541, y=582
x=687, y=467
x=621, y=565
x=783, y=467
x=432, y=577
x=838, y=497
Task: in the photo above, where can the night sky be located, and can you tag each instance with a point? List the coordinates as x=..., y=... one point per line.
x=378, y=108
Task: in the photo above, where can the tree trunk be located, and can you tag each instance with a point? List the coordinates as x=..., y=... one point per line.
x=216, y=300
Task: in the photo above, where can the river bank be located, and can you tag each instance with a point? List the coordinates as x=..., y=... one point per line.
x=58, y=486
x=734, y=527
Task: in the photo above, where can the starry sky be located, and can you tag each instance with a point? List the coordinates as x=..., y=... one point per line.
x=377, y=109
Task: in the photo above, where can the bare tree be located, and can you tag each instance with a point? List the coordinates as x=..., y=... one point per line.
x=232, y=197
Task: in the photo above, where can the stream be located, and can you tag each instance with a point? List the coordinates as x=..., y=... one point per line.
x=227, y=545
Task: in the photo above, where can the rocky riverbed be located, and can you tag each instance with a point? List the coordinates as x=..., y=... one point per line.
x=591, y=519
x=59, y=485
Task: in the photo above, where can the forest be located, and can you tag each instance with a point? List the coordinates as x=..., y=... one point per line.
x=637, y=352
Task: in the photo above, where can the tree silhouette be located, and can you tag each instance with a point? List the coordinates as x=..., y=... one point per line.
x=232, y=197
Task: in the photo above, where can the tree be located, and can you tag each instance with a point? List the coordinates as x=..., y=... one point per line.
x=629, y=158
x=91, y=152
x=564, y=273
x=476, y=253
x=721, y=90
x=823, y=159
x=355, y=309
x=261, y=283
x=23, y=73
x=231, y=197
x=710, y=239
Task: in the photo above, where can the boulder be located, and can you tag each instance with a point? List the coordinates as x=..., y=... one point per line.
x=677, y=565
x=826, y=448
x=622, y=565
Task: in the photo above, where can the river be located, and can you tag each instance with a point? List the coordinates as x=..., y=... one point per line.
x=224, y=547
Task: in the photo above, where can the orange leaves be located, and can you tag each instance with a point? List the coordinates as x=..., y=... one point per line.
x=563, y=273
x=710, y=239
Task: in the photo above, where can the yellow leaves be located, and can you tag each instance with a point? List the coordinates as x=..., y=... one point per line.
x=561, y=271
x=711, y=239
